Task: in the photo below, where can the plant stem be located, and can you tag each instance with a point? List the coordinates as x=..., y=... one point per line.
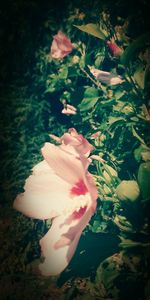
x=98, y=84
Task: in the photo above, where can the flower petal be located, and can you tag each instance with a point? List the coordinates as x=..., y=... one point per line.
x=106, y=77
x=64, y=163
x=60, y=242
x=78, y=141
x=42, y=199
x=92, y=189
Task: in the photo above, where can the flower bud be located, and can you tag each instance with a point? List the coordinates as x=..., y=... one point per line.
x=114, y=49
x=128, y=190
x=111, y=171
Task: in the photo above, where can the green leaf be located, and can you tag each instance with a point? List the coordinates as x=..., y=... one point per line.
x=63, y=73
x=147, y=76
x=98, y=226
x=142, y=152
x=130, y=52
x=107, y=272
x=113, y=120
x=109, y=173
x=126, y=243
x=88, y=103
x=90, y=99
x=139, y=77
x=137, y=153
x=91, y=92
x=119, y=94
x=123, y=223
x=144, y=179
x=108, y=102
x=92, y=29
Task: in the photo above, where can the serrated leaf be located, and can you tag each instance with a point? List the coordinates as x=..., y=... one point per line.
x=144, y=179
x=140, y=43
x=92, y=29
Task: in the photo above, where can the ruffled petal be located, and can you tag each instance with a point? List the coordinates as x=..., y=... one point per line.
x=92, y=188
x=81, y=145
x=60, y=242
x=63, y=42
x=55, y=51
x=64, y=163
x=42, y=198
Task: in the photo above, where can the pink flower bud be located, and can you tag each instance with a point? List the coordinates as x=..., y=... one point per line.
x=95, y=135
x=69, y=110
x=114, y=49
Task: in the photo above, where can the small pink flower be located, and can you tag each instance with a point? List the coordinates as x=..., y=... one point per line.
x=69, y=110
x=61, y=46
x=114, y=49
x=106, y=77
x=60, y=188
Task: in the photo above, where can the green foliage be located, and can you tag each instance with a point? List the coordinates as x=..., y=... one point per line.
x=144, y=179
x=135, y=47
x=90, y=99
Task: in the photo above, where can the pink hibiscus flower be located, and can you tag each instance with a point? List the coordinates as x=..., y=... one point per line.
x=61, y=46
x=62, y=189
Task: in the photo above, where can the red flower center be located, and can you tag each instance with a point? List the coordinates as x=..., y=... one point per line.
x=79, y=188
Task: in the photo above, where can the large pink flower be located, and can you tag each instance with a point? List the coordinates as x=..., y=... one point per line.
x=60, y=188
x=61, y=46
